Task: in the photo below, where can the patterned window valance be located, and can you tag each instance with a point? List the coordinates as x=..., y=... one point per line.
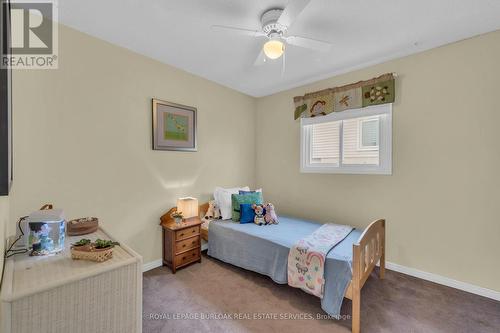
x=379, y=90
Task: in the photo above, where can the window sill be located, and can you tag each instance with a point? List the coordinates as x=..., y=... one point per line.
x=348, y=171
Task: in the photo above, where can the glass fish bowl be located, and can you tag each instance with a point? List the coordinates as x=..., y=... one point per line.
x=45, y=238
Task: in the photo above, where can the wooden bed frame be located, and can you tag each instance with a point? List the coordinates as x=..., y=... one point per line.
x=367, y=252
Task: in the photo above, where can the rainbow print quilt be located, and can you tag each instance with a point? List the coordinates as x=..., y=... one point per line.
x=306, y=259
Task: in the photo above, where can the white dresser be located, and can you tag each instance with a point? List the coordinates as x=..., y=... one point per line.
x=57, y=294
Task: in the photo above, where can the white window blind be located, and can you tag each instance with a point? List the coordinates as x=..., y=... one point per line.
x=325, y=146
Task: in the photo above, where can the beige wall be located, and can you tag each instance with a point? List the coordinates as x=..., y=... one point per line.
x=82, y=139
x=4, y=218
x=441, y=203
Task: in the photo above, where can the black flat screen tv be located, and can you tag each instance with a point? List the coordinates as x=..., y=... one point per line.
x=5, y=104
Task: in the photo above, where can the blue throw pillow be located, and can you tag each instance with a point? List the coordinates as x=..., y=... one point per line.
x=240, y=192
x=247, y=214
x=245, y=192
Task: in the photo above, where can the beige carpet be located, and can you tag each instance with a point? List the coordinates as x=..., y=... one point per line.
x=173, y=303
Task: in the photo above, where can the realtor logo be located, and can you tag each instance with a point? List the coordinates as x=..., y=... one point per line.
x=29, y=39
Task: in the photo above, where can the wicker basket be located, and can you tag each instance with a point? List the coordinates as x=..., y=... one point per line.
x=89, y=252
x=82, y=226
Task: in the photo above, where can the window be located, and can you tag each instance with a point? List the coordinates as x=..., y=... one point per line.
x=355, y=141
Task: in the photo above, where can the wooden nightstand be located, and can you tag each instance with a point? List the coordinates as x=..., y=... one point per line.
x=181, y=242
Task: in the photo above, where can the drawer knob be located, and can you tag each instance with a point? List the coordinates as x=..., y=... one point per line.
x=182, y=234
x=183, y=245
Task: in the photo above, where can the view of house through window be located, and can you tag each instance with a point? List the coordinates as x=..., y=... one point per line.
x=360, y=140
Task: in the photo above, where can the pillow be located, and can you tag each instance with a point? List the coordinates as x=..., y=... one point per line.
x=246, y=192
x=247, y=213
x=223, y=198
x=238, y=199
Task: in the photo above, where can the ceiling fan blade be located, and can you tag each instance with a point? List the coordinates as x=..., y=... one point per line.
x=291, y=11
x=261, y=59
x=309, y=43
x=241, y=31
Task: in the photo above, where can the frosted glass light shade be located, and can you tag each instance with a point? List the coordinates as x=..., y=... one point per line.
x=188, y=207
x=274, y=48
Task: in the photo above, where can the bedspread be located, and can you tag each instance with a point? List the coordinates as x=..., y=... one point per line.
x=264, y=249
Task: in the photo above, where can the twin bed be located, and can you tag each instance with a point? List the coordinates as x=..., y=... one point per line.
x=264, y=249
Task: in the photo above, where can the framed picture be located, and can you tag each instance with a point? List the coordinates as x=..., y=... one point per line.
x=5, y=103
x=174, y=126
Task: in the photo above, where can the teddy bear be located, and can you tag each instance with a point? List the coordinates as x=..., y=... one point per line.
x=270, y=216
x=213, y=211
x=259, y=214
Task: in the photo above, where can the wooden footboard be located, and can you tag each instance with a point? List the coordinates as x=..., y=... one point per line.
x=367, y=252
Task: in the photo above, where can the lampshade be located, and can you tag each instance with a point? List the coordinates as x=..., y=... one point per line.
x=188, y=207
x=274, y=48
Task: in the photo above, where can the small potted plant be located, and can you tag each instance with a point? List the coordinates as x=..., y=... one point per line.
x=104, y=244
x=177, y=216
x=82, y=244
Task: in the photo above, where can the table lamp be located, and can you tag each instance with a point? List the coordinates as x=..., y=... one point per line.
x=188, y=206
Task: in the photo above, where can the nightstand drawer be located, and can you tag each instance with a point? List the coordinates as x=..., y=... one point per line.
x=188, y=232
x=187, y=257
x=187, y=244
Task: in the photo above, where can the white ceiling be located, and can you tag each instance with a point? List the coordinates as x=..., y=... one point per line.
x=363, y=33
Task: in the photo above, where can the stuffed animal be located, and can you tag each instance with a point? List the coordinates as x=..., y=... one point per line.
x=213, y=211
x=259, y=214
x=270, y=217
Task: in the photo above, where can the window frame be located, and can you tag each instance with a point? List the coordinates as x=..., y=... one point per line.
x=385, y=142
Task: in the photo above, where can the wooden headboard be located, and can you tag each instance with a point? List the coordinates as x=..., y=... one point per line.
x=202, y=209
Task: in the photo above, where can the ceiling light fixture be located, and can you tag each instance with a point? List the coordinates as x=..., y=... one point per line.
x=274, y=48
x=274, y=26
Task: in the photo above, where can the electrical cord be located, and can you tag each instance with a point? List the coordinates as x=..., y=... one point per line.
x=10, y=252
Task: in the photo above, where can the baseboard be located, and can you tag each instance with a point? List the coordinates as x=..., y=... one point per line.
x=151, y=265
x=444, y=281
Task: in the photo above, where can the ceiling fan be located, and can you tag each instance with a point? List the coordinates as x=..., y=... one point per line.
x=275, y=24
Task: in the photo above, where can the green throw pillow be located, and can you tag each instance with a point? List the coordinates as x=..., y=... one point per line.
x=238, y=199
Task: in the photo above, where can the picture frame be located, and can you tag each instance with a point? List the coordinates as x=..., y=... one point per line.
x=6, y=157
x=174, y=126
